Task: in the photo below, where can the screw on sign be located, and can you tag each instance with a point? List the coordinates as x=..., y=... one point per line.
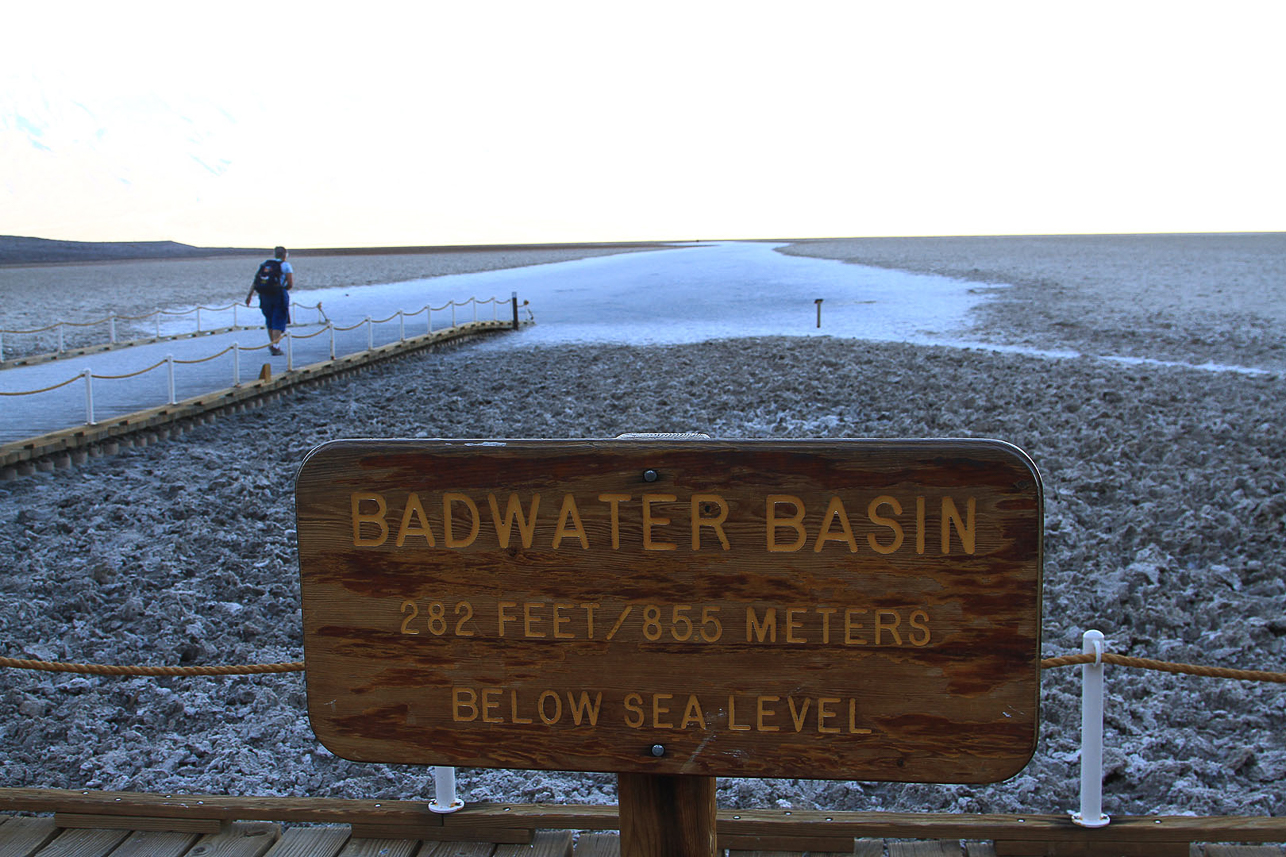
x=675, y=610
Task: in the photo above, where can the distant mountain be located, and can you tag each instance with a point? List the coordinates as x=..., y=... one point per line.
x=18, y=250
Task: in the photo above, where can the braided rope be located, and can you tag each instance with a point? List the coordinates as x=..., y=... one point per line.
x=156, y=365
x=70, y=380
x=298, y=666
x=116, y=669
x=1168, y=667
x=354, y=327
x=201, y=359
x=294, y=335
x=43, y=329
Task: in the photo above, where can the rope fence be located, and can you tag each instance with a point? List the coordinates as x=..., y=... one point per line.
x=202, y=325
x=298, y=666
x=236, y=348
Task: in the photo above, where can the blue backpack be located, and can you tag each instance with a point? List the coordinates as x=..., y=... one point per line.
x=268, y=278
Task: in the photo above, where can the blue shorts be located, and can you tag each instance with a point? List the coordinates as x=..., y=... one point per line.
x=276, y=311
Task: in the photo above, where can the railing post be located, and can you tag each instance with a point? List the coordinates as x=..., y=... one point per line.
x=290, y=352
x=370, y=335
x=401, y=327
x=198, y=319
x=1, y=347
x=111, y=319
x=428, y=318
x=514, y=299
x=330, y=326
x=453, y=313
x=236, y=364
x=1091, y=814
x=474, y=301
x=169, y=371
x=89, y=396
x=444, y=797
x=156, y=319
x=61, y=347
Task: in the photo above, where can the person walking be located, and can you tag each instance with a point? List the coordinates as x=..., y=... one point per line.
x=273, y=281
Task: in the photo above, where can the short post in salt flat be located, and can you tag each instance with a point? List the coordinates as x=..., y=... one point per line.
x=1091, y=813
x=818, y=301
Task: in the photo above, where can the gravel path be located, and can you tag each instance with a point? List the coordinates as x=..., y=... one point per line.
x=1165, y=515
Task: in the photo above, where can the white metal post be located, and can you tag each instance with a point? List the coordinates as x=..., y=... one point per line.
x=236, y=364
x=169, y=370
x=61, y=346
x=401, y=327
x=1, y=347
x=453, y=313
x=156, y=318
x=89, y=397
x=290, y=352
x=428, y=317
x=474, y=301
x=198, y=319
x=330, y=326
x=1091, y=814
x=112, y=327
x=370, y=335
x=444, y=798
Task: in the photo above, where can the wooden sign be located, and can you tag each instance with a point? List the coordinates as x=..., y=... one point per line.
x=844, y=609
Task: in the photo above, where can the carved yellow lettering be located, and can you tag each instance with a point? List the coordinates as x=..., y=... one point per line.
x=760, y=630
x=541, y=708
x=798, y=716
x=420, y=526
x=490, y=702
x=793, y=624
x=530, y=621
x=794, y=522
x=650, y=521
x=513, y=709
x=919, y=635
x=851, y=625
x=633, y=710
x=693, y=714
x=513, y=514
x=853, y=728
x=589, y=609
x=377, y=518
x=732, y=716
x=826, y=613
x=464, y=705
x=569, y=524
x=824, y=714
x=449, y=500
x=715, y=522
x=583, y=709
x=964, y=529
x=614, y=502
x=560, y=620
x=919, y=525
x=887, y=620
x=873, y=513
x=659, y=710
x=502, y=615
x=835, y=512
x=766, y=711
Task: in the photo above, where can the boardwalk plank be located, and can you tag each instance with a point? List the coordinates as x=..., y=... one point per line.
x=1243, y=851
x=83, y=843
x=357, y=847
x=22, y=837
x=598, y=845
x=241, y=839
x=458, y=849
x=926, y=848
x=310, y=842
x=156, y=843
x=547, y=843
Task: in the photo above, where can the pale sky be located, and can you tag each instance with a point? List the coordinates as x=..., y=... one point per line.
x=379, y=124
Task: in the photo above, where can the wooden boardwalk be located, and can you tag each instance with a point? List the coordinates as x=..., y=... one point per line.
x=73, y=823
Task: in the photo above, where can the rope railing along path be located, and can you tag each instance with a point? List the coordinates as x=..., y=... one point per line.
x=298, y=666
x=186, y=378
x=212, y=322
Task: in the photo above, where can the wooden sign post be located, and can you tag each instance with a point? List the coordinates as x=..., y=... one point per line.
x=675, y=611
